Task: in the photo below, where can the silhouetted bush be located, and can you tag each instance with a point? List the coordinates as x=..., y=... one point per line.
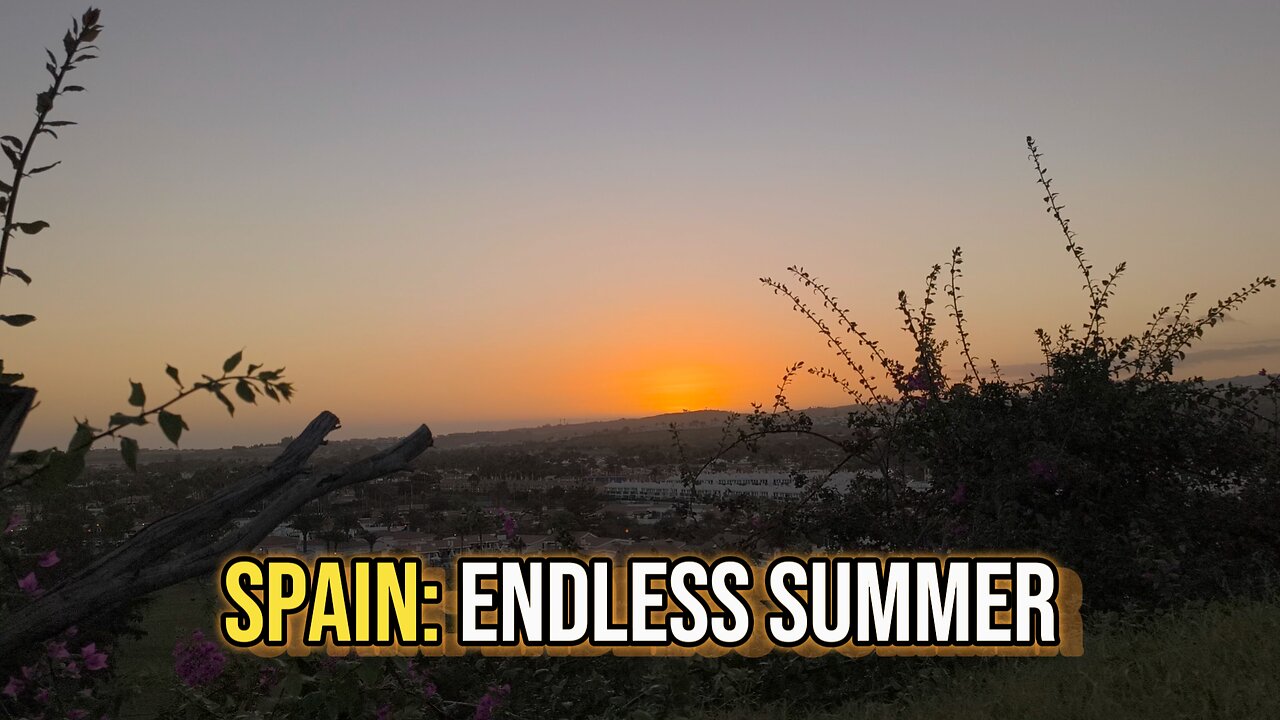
x=1155, y=489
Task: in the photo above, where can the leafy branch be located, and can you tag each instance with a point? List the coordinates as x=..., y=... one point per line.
x=76, y=45
x=1100, y=291
x=53, y=465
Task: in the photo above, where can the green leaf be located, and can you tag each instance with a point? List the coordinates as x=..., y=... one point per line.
x=126, y=419
x=18, y=320
x=129, y=450
x=172, y=425
x=11, y=139
x=137, y=396
x=245, y=391
x=42, y=168
x=231, y=409
x=232, y=362
x=72, y=88
x=19, y=274
x=82, y=439
x=32, y=228
x=172, y=372
x=59, y=123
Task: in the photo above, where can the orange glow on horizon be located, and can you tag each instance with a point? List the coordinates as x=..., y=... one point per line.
x=681, y=387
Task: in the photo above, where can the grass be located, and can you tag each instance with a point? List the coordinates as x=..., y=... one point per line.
x=147, y=662
x=1221, y=661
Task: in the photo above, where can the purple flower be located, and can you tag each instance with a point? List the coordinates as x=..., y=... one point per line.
x=14, y=687
x=29, y=584
x=1042, y=470
x=93, y=660
x=49, y=559
x=509, y=526
x=198, y=661
x=268, y=676
x=42, y=695
x=917, y=380
x=77, y=714
x=58, y=650
x=491, y=702
x=960, y=495
x=384, y=713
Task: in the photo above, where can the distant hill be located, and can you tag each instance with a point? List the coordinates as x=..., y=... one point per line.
x=1254, y=380
x=705, y=420
x=694, y=419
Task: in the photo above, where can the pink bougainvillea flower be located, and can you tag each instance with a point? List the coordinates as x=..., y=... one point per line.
x=384, y=713
x=14, y=687
x=42, y=695
x=959, y=496
x=58, y=650
x=491, y=702
x=93, y=659
x=917, y=380
x=268, y=676
x=49, y=559
x=77, y=714
x=198, y=662
x=1042, y=470
x=29, y=584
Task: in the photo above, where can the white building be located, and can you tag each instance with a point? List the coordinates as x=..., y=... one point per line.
x=770, y=484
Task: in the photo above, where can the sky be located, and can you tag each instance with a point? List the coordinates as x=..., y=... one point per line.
x=484, y=214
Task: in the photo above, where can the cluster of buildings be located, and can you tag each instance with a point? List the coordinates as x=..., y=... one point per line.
x=441, y=549
x=765, y=484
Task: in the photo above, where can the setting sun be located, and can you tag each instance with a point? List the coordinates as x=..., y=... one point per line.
x=687, y=387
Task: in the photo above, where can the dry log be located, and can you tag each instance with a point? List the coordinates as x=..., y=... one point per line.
x=179, y=547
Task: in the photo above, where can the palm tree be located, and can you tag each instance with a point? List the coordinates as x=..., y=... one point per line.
x=305, y=524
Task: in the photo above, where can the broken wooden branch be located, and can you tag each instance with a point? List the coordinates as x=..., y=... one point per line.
x=179, y=547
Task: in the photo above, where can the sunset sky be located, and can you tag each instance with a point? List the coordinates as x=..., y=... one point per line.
x=481, y=214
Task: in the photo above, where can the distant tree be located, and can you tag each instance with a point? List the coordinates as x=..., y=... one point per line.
x=370, y=537
x=306, y=524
